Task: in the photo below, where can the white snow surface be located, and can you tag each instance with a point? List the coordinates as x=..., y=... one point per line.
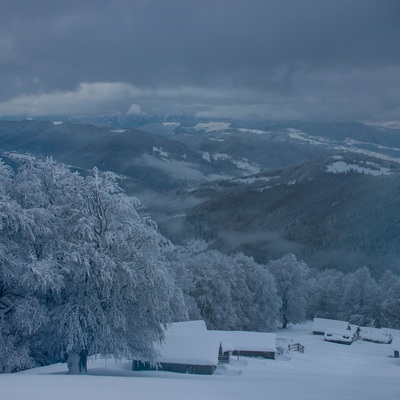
x=212, y=126
x=206, y=156
x=118, y=130
x=254, y=341
x=242, y=163
x=343, y=167
x=255, y=131
x=171, y=124
x=160, y=152
x=396, y=343
x=245, y=341
x=245, y=165
x=225, y=338
x=374, y=334
x=182, y=347
x=342, y=335
x=348, y=145
x=220, y=156
x=328, y=371
x=253, y=179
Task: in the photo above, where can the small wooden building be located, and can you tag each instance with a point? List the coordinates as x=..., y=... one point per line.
x=321, y=325
x=254, y=344
x=190, y=348
x=247, y=344
x=375, y=335
x=226, y=344
x=342, y=336
x=396, y=347
x=183, y=352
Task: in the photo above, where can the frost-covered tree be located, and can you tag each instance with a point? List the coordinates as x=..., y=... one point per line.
x=291, y=282
x=228, y=292
x=90, y=262
x=361, y=301
x=208, y=280
x=255, y=294
x=23, y=274
x=390, y=294
x=325, y=293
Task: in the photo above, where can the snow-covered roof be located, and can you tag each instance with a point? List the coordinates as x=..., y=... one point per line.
x=343, y=335
x=188, y=348
x=394, y=332
x=375, y=335
x=198, y=325
x=322, y=324
x=190, y=342
x=254, y=341
x=225, y=338
x=396, y=344
x=245, y=341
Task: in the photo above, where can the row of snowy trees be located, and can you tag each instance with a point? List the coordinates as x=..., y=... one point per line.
x=233, y=292
x=356, y=297
x=83, y=272
x=228, y=292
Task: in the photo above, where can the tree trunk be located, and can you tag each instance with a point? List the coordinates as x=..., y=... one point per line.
x=77, y=362
x=73, y=362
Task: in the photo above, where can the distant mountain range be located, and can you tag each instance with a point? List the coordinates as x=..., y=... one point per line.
x=327, y=192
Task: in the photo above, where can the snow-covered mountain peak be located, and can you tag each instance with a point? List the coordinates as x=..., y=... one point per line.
x=341, y=166
x=208, y=127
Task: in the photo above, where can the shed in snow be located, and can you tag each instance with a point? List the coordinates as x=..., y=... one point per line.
x=375, y=335
x=226, y=344
x=342, y=336
x=254, y=344
x=184, y=352
x=248, y=344
x=321, y=325
x=190, y=348
x=396, y=347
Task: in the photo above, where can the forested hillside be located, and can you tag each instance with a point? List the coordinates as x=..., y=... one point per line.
x=342, y=218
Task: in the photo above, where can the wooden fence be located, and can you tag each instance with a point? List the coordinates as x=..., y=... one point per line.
x=297, y=347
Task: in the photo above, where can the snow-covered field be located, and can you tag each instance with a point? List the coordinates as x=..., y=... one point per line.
x=361, y=371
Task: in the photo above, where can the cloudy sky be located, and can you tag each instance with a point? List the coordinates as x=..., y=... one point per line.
x=272, y=59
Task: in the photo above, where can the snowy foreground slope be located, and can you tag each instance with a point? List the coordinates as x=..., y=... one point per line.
x=325, y=371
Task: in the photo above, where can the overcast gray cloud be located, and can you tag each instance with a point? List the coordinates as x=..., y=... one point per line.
x=313, y=59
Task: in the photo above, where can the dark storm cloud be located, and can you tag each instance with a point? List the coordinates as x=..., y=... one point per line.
x=284, y=59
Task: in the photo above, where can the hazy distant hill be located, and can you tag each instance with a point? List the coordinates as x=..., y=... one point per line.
x=149, y=161
x=341, y=212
